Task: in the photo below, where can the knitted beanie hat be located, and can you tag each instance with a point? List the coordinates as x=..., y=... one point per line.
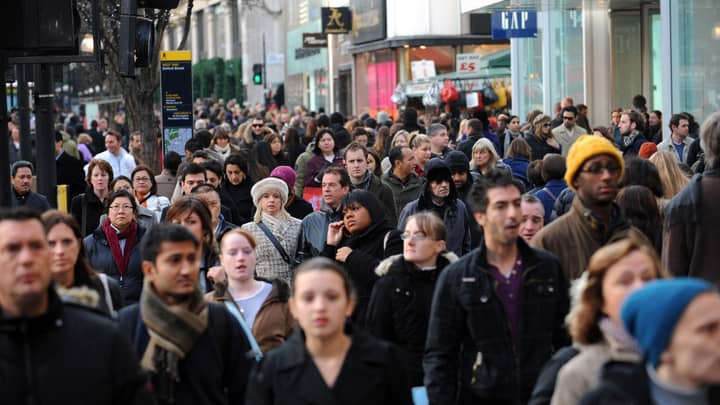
x=266, y=185
x=651, y=313
x=587, y=147
x=647, y=149
x=285, y=173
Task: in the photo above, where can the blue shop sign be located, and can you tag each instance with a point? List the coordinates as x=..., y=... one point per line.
x=514, y=24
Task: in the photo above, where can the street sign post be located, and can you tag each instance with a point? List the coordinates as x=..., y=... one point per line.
x=176, y=99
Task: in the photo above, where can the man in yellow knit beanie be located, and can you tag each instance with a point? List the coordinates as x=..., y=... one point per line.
x=594, y=169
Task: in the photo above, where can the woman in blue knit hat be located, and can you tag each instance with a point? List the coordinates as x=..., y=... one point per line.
x=676, y=324
x=614, y=272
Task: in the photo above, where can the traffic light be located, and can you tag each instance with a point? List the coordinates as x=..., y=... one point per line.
x=137, y=34
x=258, y=73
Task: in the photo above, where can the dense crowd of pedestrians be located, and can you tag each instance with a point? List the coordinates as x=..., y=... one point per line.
x=293, y=257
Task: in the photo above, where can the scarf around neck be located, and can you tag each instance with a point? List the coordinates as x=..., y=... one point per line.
x=120, y=257
x=173, y=331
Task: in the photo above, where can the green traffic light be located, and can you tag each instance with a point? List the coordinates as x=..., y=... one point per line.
x=257, y=79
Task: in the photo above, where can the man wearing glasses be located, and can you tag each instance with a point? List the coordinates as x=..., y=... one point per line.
x=594, y=169
x=567, y=133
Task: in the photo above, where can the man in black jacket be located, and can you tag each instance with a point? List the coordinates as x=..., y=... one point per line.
x=50, y=351
x=194, y=352
x=475, y=127
x=501, y=308
x=21, y=175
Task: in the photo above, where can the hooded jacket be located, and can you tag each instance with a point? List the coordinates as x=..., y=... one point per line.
x=240, y=195
x=383, y=193
x=453, y=212
x=369, y=247
x=399, y=309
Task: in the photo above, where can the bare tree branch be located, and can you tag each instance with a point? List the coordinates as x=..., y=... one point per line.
x=186, y=28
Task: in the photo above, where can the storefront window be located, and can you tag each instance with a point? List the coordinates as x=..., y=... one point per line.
x=695, y=47
x=529, y=75
x=381, y=81
x=566, y=73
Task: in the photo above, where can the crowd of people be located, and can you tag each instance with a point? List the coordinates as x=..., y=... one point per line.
x=298, y=257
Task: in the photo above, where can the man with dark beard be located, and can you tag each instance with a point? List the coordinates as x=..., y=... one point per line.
x=594, y=169
x=194, y=352
x=631, y=127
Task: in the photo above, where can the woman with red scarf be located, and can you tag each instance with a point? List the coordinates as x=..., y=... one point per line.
x=114, y=247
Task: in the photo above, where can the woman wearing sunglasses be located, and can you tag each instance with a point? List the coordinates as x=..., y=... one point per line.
x=542, y=141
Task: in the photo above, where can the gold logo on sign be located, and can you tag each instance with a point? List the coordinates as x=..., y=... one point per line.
x=335, y=19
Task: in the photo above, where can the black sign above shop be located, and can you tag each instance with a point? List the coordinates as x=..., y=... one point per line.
x=314, y=40
x=368, y=21
x=336, y=20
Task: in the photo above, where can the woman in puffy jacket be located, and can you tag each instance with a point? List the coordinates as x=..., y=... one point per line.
x=399, y=309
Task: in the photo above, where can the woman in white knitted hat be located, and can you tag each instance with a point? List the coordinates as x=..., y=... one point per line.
x=274, y=229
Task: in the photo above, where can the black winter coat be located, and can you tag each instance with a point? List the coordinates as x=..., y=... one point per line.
x=369, y=247
x=69, y=355
x=372, y=373
x=629, y=383
x=98, y=253
x=399, y=309
x=217, y=368
x=94, y=208
x=538, y=147
x=470, y=356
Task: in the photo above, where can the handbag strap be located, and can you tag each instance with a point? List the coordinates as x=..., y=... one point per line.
x=246, y=329
x=553, y=196
x=275, y=242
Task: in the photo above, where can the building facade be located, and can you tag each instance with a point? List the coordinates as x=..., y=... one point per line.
x=604, y=52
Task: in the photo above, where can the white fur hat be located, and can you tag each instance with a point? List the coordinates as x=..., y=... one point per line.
x=269, y=184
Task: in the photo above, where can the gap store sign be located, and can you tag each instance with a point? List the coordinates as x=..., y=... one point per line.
x=514, y=24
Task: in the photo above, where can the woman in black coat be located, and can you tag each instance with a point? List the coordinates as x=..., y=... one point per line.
x=87, y=208
x=325, y=363
x=104, y=250
x=399, y=309
x=360, y=241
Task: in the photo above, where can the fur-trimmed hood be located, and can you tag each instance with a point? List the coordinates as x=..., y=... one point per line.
x=384, y=267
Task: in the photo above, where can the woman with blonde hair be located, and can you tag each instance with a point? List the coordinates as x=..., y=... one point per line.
x=420, y=144
x=401, y=138
x=485, y=157
x=275, y=231
x=614, y=272
x=672, y=178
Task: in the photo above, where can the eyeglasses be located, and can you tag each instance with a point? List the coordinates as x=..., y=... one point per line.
x=258, y=125
x=546, y=125
x=121, y=207
x=142, y=179
x=418, y=237
x=568, y=118
x=598, y=169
